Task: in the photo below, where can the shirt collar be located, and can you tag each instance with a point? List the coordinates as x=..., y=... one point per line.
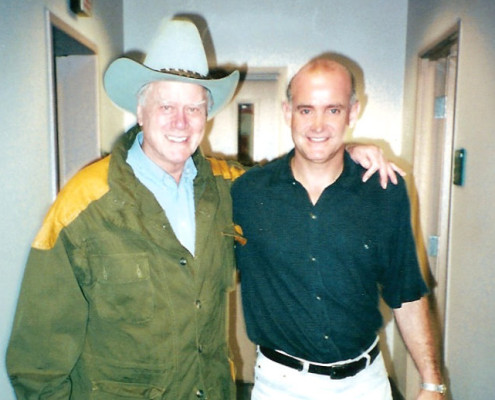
x=346, y=179
x=144, y=166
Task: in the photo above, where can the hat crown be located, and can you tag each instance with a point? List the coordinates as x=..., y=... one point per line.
x=176, y=54
x=177, y=46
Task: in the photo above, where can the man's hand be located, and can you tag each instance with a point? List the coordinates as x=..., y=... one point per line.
x=371, y=158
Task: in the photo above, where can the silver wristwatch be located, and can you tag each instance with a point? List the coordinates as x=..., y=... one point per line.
x=433, y=387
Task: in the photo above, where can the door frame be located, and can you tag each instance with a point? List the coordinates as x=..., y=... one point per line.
x=65, y=136
x=433, y=165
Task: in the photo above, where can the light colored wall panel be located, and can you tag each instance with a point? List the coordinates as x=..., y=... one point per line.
x=258, y=33
x=470, y=322
x=26, y=154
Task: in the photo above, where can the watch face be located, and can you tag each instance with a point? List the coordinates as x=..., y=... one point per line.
x=443, y=389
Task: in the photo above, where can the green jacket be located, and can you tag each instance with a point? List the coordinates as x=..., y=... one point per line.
x=112, y=306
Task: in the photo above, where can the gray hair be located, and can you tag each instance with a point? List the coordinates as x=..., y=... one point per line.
x=142, y=95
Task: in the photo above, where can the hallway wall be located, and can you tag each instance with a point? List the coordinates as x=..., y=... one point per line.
x=26, y=153
x=470, y=321
x=258, y=33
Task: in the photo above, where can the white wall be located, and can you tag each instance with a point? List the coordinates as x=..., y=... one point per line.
x=26, y=151
x=260, y=33
x=470, y=320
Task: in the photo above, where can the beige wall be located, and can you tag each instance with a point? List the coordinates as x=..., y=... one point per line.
x=470, y=320
x=260, y=33
x=26, y=152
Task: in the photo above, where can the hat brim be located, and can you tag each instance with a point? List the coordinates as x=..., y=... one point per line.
x=124, y=77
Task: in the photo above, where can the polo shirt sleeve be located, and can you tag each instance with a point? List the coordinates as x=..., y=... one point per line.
x=402, y=280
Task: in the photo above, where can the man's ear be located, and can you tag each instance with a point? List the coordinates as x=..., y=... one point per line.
x=287, y=110
x=354, y=114
x=139, y=114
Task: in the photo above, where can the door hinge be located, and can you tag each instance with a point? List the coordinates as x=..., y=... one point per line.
x=433, y=246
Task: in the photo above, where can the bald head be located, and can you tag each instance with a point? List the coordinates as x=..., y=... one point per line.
x=323, y=66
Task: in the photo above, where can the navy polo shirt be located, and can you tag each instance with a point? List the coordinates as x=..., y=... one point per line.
x=311, y=275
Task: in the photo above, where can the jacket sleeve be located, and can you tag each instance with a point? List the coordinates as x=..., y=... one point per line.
x=49, y=326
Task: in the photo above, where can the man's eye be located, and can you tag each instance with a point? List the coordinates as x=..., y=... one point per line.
x=305, y=111
x=335, y=111
x=166, y=107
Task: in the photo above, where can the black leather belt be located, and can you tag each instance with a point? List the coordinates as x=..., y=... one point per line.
x=334, y=372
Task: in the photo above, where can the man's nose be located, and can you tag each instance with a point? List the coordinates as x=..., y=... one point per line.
x=318, y=122
x=180, y=120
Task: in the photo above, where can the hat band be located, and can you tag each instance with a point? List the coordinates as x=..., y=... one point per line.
x=183, y=72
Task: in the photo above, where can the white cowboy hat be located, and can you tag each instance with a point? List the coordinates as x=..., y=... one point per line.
x=176, y=54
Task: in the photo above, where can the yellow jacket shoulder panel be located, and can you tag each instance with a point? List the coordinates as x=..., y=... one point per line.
x=229, y=171
x=88, y=185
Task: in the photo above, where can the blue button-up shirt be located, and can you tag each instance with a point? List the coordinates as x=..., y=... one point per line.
x=177, y=200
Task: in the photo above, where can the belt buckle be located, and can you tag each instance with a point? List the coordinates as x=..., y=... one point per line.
x=338, y=372
x=347, y=370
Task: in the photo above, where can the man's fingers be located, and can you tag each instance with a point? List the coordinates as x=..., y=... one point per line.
x=369, y=172
x=397, y=169
x=391, y=174
x=386, y=170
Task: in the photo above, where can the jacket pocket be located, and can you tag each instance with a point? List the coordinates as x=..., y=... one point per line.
x=108, y=390
x=122, y=289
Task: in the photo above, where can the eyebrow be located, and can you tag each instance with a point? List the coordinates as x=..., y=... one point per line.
x=301, y=106
x=199, y=103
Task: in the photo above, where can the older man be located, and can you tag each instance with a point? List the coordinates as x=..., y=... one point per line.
x=124, y=293
x=321, y=248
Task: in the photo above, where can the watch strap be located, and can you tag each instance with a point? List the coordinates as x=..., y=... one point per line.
x=433, y=387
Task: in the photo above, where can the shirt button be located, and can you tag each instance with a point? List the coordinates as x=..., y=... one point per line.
x=200, y=349
x=183, y=261
x=313, y=216
x=326, y=337
x=318, y=298
x=200, y=394
x=198, y=304
x=313, y=259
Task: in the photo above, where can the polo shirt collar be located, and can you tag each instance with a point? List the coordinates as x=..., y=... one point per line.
x=284, y=175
